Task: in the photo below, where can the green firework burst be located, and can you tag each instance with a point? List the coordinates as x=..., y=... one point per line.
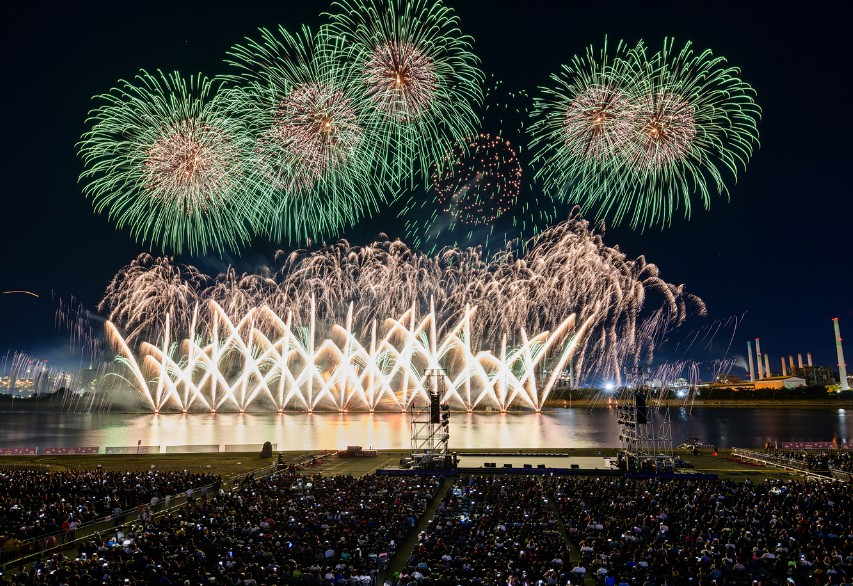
x=695, y=122
x=663, y=131
x=315, y=150
x=581, y=124
x=163, y=159
x=418, y=74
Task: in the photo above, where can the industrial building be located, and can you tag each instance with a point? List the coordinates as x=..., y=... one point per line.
x=809, y=374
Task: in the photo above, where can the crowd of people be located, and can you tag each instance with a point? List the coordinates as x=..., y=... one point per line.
x=709, y=531
x=490, y=530
x=818, y=460
x=513, y=530
x=52, y=505
x=282, y=529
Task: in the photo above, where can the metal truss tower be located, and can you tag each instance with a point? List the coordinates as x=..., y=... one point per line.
x=431, y=425
x=645, y=429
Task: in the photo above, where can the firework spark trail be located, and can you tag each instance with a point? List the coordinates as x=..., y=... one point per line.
x=262, y=359
x=566, y=270
x=706, y=334
x=84, y=336
x=691, y=369
x=25, y=374
x=147, y=291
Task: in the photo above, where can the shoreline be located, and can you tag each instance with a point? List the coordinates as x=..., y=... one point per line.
x=717, y=403
x=815, y=404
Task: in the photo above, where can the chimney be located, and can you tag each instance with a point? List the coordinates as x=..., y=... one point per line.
x=842, y=368
x=800, y=360
x=767, y=365
x=751, y=366
x=809, y=358
x=791, y=363
x=758, y=356
x=784, y=367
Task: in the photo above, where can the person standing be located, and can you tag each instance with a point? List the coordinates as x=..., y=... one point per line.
x=72, y=529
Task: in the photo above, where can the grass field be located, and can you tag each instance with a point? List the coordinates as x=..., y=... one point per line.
x=234, y=464
x=224, y=464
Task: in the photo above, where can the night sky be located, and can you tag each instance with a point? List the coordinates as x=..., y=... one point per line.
x=778, y=253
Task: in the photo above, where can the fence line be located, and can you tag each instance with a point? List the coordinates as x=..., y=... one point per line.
x=132, y=450
x=199, y=449
x=137, y=449
x=778, y=461
x=247, y=447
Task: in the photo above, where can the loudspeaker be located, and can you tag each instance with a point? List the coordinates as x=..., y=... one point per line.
x=640, y=402
x=434, y=408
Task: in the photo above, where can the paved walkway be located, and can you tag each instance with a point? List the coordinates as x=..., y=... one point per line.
x=404, y=550
x=574, y=552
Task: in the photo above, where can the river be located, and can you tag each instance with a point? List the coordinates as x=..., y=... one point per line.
x=557, y=428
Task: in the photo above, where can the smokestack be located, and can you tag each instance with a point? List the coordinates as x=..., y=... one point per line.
x=791, y=363
x=809, y=358
x=758, y=356
x=767, y=365
x=842, y=368
x=751, y=367
x=800, y=360
x=784, y=367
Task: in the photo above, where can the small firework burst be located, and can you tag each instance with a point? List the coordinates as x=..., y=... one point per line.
x=163, y=158
x=695, y=122
x=190, y=165
x=665, y=130
x=479, y=181
x=481, y=192
x=596, y=122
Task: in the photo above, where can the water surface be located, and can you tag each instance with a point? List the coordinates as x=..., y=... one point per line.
x=559, y=428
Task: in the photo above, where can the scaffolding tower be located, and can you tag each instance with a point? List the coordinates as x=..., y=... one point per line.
x=645, y=429
x=430, y=421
